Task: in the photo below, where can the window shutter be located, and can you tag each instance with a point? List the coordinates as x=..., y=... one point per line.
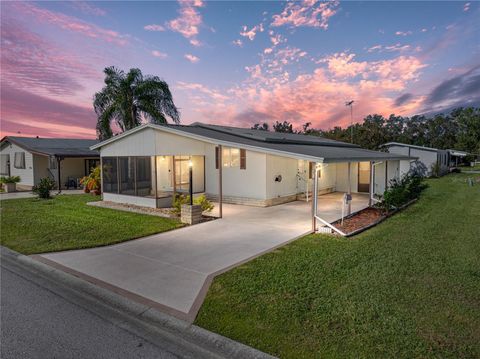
x=4, y=164
x=310, y=170
x=243, y=159
x=217, y=157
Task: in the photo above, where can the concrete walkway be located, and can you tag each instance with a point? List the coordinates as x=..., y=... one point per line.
x=172, y=271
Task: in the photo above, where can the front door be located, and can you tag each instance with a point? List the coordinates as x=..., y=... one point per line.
x=364, y=177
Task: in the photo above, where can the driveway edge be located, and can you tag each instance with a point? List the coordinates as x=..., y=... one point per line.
x=203, y=338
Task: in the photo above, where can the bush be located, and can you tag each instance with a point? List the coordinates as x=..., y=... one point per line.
x=92, y=182
x=11, y=179
x=44, y=187
x=180, y=199
x=401, y=191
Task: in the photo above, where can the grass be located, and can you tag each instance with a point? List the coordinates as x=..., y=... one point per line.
x=32, y=225
x=408, y=288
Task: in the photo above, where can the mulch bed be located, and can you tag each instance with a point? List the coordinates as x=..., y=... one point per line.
x=359, y=220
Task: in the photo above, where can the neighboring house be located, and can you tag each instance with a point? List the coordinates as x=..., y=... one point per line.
x=457, y=158
x=33, y=158
x=426, y=155
x=146, y=165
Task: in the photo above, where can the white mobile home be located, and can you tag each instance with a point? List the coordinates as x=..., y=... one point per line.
x=33, y=158
x=147, y=165
x=426, y=155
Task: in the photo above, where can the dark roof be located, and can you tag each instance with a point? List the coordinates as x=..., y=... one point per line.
x=64, y=147
x=299, y=144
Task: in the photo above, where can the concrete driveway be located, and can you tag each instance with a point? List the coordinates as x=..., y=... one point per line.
x=172, y=271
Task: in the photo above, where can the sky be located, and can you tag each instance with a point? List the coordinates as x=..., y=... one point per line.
x=239, y=63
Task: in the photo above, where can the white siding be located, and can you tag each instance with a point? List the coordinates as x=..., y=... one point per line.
x=285, y=167
x=248, y=183
x=26, y=174
x=342, y=176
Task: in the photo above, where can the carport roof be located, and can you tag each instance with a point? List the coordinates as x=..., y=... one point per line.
x=63, y=147
x=312, y=148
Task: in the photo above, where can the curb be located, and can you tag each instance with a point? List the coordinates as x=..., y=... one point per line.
x=203, y=338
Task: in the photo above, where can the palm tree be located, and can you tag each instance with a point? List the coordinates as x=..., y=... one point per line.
x=129, y=98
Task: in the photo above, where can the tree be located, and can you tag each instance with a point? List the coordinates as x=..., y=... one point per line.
x=285, y=127
x=130, y=99
x=261, y=127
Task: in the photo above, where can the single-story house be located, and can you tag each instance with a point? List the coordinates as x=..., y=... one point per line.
x=146, y=165
x=428, y=156
x=33, y=158
x=457, y=157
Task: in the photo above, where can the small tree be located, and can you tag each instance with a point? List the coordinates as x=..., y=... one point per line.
x=44, y=187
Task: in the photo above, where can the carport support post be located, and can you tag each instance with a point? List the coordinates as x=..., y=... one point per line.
x=370, y=187
x=220, y=187
x=315, y=198
x=349, y=187
x=59, y=184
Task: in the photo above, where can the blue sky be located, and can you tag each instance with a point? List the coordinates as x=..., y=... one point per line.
x=239, y=62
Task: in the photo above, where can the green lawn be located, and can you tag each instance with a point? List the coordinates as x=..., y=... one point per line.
x=33, y=225
x=408, y=288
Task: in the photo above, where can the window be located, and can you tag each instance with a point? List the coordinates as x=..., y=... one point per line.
x=144, y=176
x=231, y=157
x=126, y=170
x=110, y=179
x=19, y=160
x=5, y=165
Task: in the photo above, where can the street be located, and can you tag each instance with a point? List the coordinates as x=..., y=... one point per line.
x=42, y=319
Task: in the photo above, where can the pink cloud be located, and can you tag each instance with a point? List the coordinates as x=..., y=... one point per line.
x=250, y=34
x=271, y=93
x=192, y=58
x=69, y=23
x=31, y=62
x=403, y=33
x=87, y=8
x=189, y=21
x=310, y=13
x=24, y=111
x=154, y=27
x=159, y=54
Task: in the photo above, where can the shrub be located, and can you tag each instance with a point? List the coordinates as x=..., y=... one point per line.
x=401, y=191
x=435, y=169
x=92, y=182
x=180, y=199
x=44, y=187
x=10, y=179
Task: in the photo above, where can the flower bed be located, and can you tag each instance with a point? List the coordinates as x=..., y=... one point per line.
x=360, y=220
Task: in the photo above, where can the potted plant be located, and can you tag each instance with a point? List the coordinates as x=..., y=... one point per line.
x=92, y=182
x=10, y=183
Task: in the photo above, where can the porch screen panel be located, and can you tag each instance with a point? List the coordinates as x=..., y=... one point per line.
x=127, y=175
x=144, y=176
x=110, y=179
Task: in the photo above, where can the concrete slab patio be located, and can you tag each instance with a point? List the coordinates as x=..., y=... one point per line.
x=172, y=271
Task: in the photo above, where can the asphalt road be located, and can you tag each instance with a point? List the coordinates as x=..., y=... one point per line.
x=42, y=319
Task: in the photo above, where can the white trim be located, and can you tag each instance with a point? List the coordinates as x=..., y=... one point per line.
x=208, y=140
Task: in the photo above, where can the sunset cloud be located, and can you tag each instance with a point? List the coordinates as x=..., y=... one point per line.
x=154, y=27
x=189, y=21
x=159, y=54
x=68, y=23
x=192, y=58
x=309, y=13
x=250, y=34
